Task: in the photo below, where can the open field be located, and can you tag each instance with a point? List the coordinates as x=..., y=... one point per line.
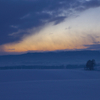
x=49, y=84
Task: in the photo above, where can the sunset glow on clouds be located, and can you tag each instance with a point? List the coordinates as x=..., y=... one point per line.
x=79, y=30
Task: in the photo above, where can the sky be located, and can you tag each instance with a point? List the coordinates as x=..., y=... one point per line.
x=49, y=25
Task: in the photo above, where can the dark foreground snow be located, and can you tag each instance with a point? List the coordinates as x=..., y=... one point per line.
x=54, y=84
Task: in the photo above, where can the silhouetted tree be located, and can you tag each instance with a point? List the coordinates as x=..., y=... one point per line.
x=90, y=64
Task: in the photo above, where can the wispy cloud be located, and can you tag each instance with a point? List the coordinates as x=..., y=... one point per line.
x=93, y=46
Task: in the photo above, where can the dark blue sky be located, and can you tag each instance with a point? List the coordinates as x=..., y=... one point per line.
x=18, y=16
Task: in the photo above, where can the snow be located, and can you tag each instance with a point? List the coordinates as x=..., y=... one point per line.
x=49, y=84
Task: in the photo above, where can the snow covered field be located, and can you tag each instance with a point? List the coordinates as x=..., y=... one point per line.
x=49, y=84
